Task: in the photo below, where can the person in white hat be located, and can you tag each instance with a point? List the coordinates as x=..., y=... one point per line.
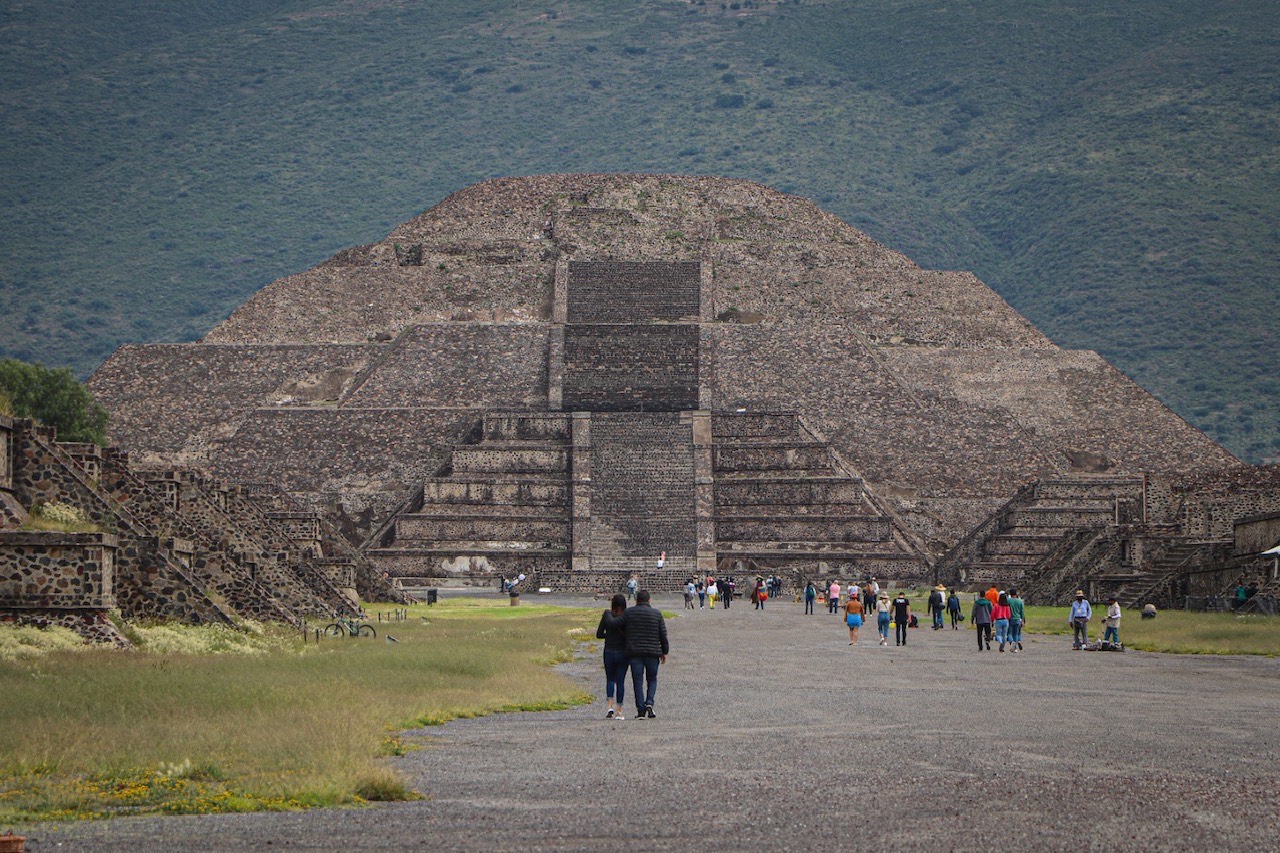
x=1079, y=618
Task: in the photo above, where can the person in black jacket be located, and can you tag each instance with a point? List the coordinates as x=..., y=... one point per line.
x=646, y=645
x=615, y=655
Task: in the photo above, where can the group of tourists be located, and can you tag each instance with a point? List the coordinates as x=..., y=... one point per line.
x=710, y=590
x=635, y=639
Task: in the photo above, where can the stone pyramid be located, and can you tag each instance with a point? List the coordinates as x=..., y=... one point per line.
x=570, y=372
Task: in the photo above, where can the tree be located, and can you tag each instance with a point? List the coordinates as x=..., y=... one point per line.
x=54, y=398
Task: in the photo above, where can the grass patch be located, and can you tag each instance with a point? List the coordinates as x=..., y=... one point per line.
x=1174, y=631
x=208, y=720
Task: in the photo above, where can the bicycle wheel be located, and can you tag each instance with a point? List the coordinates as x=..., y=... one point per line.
x=334, y=630
x=366, y=631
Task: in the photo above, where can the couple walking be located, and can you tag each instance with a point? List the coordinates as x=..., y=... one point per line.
x=634, y=639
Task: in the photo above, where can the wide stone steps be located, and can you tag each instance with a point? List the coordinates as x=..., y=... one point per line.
x=510, y=459
x=810, y=528
x=497, y=490
x=825, y=550
x=1058, y=519
x=415, y=528
x=788, y=490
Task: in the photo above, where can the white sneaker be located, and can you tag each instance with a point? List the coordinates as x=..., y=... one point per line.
x=619, y=716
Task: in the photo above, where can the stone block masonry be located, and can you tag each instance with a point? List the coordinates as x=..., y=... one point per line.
x=618, y=368
x=631, y=292
x=57, y=571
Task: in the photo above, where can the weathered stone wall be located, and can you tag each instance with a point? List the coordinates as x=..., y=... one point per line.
x=169, y=402
x=633, y=292
x=459, y=365
x=642, y=488
x=1257, y=533
x=57, y=571
x=150, y=582
x=615, y=368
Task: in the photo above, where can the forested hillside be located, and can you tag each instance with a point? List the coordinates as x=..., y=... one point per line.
x=1109, y=169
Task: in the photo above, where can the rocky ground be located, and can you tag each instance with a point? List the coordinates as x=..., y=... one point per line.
x=772, y=732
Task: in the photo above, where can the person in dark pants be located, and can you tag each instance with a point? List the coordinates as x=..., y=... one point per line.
x=981, y=617
x=646, y=645
x=901, y=617
x=953, y=608
x=615, y=656
x=810, y=596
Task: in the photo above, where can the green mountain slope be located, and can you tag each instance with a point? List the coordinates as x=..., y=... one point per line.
x=1110, y=170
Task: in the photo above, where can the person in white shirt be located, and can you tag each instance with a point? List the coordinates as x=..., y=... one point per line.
x=1112, y=622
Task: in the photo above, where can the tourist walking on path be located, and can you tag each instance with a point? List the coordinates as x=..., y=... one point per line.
x=901, y=618
x=992, y=595
x=981, y=618
x=1112, y=622
x=1079, y=618
x=690, y=588
x=882, y=617
x=1017, y=618
x=833, y=597
x=615, y=655
x=853, y=616
x=810, y=596
x=713, y=591
x=953, y=608
x=645, y=630
x=868, y=600
x=937, y=602
x=727, y=588
x=702, y=594
x=1000, y=618
x=760, y=594
x=632, y=583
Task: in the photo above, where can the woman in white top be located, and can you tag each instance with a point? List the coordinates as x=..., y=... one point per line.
x=713, y=592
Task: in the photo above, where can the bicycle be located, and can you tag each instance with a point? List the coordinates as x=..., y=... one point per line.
x=348, y=627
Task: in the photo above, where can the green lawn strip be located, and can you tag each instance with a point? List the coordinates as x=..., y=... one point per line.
x=277, y=725
x=1173, y=631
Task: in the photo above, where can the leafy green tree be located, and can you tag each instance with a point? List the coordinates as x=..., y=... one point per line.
x=54, y=398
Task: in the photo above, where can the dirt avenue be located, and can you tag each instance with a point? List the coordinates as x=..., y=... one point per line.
x=772, y=732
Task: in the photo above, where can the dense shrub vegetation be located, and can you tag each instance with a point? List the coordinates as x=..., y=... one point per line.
x=54, y=398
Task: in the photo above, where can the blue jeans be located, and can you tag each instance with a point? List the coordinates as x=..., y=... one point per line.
x=1112, y=634
x=615, y=675
x=882, y=625
x=1015, y=630
x=642, y=670
x=1002, y=631
x=937, y=618
x=808, y=606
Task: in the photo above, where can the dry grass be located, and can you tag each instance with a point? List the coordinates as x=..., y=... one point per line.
x=268, y=723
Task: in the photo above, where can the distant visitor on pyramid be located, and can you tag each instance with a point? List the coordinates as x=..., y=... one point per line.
x=566, y=375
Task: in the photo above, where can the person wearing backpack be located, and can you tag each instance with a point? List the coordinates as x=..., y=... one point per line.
x=953, y=609
x=810, y=596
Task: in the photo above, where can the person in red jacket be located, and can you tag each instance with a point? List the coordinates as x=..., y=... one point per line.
x=1000, y=615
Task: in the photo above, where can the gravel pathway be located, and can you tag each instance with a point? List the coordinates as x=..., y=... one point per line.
x=772, y=732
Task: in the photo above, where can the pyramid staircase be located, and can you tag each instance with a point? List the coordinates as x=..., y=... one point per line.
x=785, y=502
x=1050, y=532
x=499, y=508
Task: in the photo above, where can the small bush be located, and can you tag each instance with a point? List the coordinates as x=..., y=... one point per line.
x=729, y=102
